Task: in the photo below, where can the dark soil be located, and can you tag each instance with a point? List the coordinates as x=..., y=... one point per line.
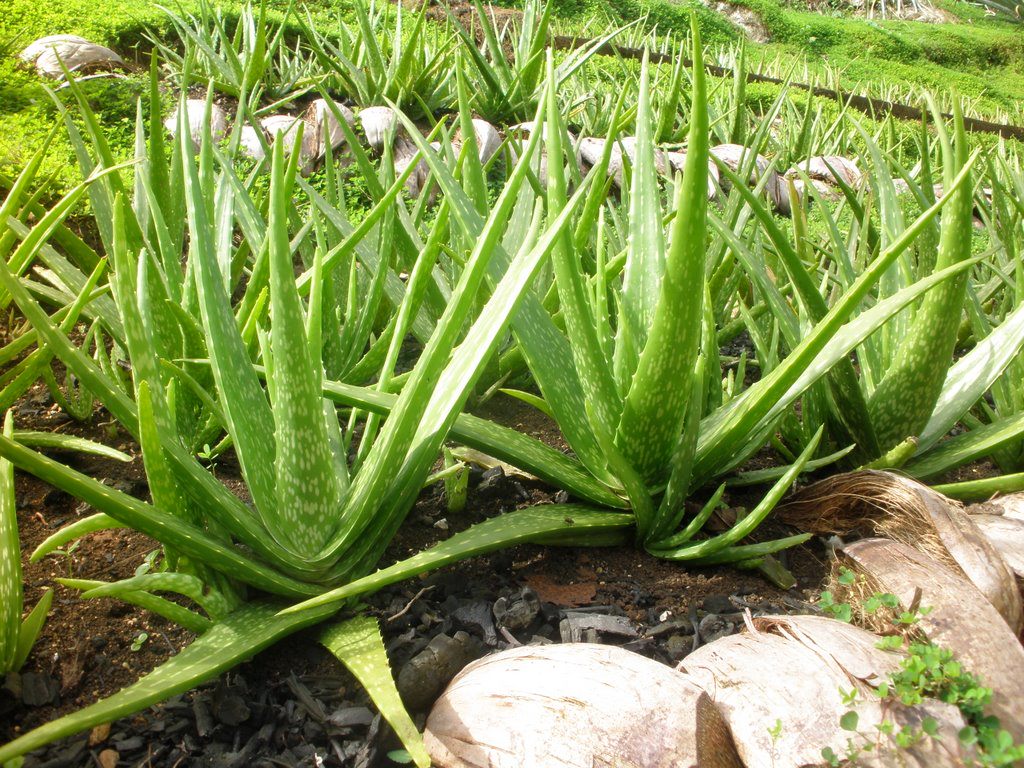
x=294, y=705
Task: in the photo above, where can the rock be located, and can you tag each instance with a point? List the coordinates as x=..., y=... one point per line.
x=108, y=758
x=428, y=672
x=229, y=708
x=671, y=627
x=75, y=53
x=713, y=626
x=198, y=120
x=744, y=18
x=517, y=613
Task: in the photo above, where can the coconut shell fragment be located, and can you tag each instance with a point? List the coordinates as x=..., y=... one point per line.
x=577, y=705
x=781, y=685
x=876, y=503
x=960, y=619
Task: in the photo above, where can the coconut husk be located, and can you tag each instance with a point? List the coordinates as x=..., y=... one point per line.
x=488, y=140
x=780, y=686
x=829, y=169
x=677, y=160
x=196, y=116
x=875, y=503
x=76, y=54
x=1006, y=534
x=326, y=127
x=589, y=151
x=1010, y=505
x=735, y=155
x=404, y=152
x=377, y=123
x=576, y=705
x=285, y=128
x=959, y=619
x=249, y=144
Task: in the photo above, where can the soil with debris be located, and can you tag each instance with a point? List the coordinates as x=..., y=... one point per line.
x=294, y=705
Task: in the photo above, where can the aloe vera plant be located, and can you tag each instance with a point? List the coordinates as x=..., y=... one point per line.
x=315, y=521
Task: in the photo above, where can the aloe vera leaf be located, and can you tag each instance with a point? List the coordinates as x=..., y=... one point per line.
x=655, y=407
x=905, y=398
x=64, y=442
x=503, y=443
x=192, y=587
x=357, y=643
x=519, y=527
x=972, y=375
x=232, y=640
x=980, y=490
x=449, y=391
x=30, y=629
x=854, y=414
x=645, y=254
x=966, y=447
x=743, y=552
x=10, y=562
x=145, y=518
x=543, y=344
x=726, y=429
x=748, y=524
x=244, y=404
x=72, y=531
x=599, y=387
x=307, y=488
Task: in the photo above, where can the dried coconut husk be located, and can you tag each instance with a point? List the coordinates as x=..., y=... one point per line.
x=286, y=128
x=876, y=503
x=488, y=140
x=780, y=686
x=325, y=125
x=404, y=153
x=577, y=705
x=959, y=619
x=377, y=123
x=734, y=156
x=1006, y=534
x=589, y=152
x=75, y=53
x=197, y=119
x=1010, y=505
x=829, y=168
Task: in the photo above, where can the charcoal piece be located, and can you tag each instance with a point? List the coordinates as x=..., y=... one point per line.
x=350, y=717
x=517, y=612
x=475, y=616
x=422, y=679
x=577, y=626
x=39, y=689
